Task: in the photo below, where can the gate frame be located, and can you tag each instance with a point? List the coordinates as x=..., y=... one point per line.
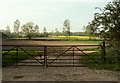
x=44, y=63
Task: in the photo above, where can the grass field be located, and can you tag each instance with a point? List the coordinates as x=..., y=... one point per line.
x=87, y=41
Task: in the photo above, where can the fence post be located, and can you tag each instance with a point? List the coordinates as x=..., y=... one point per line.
x=16, y=55
x=103, y=52
x=45, y=56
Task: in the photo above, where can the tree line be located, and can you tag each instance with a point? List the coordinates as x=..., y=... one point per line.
x=31, y=30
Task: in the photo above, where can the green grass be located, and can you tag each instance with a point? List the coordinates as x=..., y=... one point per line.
x=92, y=49
x=110, y=64
x=10, y=58
x=86, y=41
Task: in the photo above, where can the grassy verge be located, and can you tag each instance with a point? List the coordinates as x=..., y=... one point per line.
x=111, y=63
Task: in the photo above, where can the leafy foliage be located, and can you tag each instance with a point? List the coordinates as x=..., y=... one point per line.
x=16, y=27
x=106, y=24
x=29, y=30
x=6, y=33
x=44, y=34
x=66, y=28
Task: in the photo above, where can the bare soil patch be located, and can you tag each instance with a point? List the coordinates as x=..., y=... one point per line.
x=36, y=42
x=37, y=73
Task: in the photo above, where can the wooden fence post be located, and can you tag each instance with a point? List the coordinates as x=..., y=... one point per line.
x=103, y=52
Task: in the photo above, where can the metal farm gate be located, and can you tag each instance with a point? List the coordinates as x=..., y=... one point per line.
x=47, y=55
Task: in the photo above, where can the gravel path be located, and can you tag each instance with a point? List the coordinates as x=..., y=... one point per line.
x=37, y=73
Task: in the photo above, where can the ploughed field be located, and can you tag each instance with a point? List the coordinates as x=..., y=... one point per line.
x=38, y=42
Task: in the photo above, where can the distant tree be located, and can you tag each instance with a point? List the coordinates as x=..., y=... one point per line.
x=56, y=32
x=66, y=28
x=7, y=32
x=88, y=30
x=8, y=29
x=52, y=33
x=78, y=33
x=28, y=30
x=44, y=30
x=64, y=32
x=2, y=35
x=16, y=27
x=36, y=33
x=45, y=33
x=37, y=29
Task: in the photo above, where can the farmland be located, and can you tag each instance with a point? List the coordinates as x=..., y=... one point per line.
x=75, y=37
x=37, y=45
x=39, y=42
x=53, y=73
x=80, y=49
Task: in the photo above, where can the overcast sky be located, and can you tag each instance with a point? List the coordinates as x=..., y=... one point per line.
x=49, y=13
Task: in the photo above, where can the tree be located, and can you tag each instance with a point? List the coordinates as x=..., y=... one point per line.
x=28, y=30
x=16, y=27
x=88, y=30
x=45, y=32
x=66, y=28
x=36, y=29
x=7, y=32
x=56, y=32
x=107, y=22
x=2, y=35
x=36, y=33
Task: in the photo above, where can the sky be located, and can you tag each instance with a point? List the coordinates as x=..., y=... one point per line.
x=49, y=13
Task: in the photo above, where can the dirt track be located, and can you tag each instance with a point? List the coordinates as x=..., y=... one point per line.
x=33, y=42
x=36, y=73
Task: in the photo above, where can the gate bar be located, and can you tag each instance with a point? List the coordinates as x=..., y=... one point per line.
x=17, y=55
x=30, y=55
x=45, y=56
